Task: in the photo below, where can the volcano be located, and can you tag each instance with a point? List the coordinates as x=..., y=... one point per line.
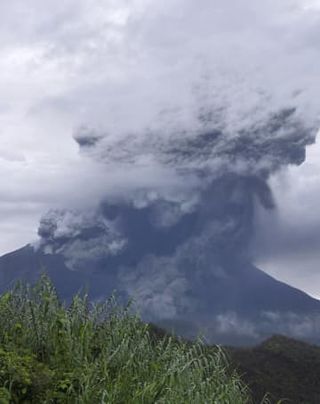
x=240, y=305
x=182, y=249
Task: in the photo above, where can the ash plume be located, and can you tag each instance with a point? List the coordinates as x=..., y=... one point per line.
x=177, y=254
x=193, y=147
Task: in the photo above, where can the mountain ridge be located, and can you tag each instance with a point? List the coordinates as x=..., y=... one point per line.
x=242, y=307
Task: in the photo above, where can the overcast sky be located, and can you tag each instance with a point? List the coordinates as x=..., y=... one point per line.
x=288, y=240
x=116, y=64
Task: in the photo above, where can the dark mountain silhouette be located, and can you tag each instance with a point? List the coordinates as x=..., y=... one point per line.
x=283, y=367
x=242, y=307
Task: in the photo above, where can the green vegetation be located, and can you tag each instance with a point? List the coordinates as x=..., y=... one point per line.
x=101, y=354
x=282, y=366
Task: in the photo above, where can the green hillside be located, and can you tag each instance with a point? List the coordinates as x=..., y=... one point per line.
x=284, y=367
x=101, y=354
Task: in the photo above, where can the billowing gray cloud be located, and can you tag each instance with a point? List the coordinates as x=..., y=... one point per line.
x=181, y=114
x=81, y=238
x=263, y=147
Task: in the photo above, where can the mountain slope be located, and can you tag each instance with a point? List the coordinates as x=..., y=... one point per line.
x=284, y=367
x=242, y=306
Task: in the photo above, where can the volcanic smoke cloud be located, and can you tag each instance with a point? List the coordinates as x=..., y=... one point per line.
x=206, y=113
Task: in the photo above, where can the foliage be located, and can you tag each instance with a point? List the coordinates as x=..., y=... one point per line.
x=282, y=366
x=101, y=353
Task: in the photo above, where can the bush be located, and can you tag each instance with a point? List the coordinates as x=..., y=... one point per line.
x=101, y=353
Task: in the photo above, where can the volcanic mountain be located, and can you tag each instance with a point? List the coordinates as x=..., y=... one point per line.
x=217, y=293
x=179, y=244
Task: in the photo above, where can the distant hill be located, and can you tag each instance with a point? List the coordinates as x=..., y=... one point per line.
x=280, y=368
x=284, y=367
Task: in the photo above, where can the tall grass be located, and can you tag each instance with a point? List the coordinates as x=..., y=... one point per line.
x=101, y=353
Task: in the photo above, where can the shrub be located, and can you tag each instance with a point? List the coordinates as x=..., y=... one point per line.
x=101, y=353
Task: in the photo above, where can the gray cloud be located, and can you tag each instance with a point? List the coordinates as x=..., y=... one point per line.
x=81, y=238
x=239, y=330
x=182, y=113
x=287, y=240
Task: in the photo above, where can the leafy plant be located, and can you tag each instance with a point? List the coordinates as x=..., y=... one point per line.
x=101, y=353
